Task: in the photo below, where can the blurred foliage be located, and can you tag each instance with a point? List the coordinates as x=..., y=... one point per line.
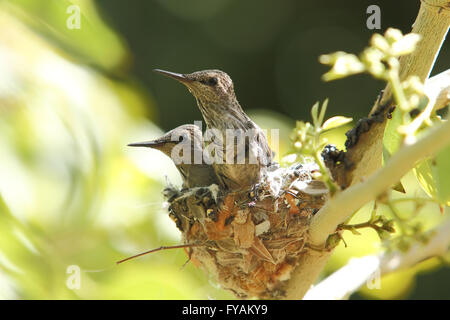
x=71, y=193
x=268, y=47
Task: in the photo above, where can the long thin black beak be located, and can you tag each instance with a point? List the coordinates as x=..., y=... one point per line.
x=148, y=144
x=177, y=76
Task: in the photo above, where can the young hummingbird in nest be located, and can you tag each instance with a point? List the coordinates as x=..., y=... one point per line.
x=184, y=145
x=241, y=165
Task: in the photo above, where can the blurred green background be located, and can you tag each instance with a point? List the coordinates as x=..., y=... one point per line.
x=72, y=194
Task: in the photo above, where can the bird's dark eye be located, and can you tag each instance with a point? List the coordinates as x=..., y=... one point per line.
x=212, y=81
x=209, y=81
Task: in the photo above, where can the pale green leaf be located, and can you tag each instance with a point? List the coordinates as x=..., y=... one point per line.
x=424, y=174
x=441, y=173
x=392, y=138
x=336, y=122
x=434, y=176
x=315, y=113
x=323, y=110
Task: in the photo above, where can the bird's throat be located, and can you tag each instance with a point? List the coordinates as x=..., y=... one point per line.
x=223, y=116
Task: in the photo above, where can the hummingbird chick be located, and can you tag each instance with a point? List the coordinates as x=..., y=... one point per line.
x=241, y=165
x=184, y=145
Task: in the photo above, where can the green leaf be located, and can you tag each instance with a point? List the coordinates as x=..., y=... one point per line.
x=336, y=122
x=392, y=138
x=434, y=176
x=424, y=174
x=389, y=226
x=315, y=113
x=442, y=175
x=383, y=234
x=94, y=41
x=354, y=231
x=323, y=110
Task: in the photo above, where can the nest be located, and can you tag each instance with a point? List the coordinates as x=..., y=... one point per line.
x=250, y=241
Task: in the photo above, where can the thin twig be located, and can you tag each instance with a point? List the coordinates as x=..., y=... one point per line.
x=180, y=246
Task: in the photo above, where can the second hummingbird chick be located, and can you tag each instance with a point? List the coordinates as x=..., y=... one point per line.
x=192, y=167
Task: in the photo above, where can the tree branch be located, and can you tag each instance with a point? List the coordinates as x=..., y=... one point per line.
x=432, y=24
x=348, y=279
x=339, y=208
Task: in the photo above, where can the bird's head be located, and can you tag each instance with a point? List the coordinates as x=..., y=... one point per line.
x=189, y=135
x=209, y=87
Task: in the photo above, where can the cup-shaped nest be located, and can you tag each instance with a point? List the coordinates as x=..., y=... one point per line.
x=250, y=241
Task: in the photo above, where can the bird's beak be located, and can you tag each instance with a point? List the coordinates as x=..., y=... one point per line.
x=177, y=76
x=148, y=144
